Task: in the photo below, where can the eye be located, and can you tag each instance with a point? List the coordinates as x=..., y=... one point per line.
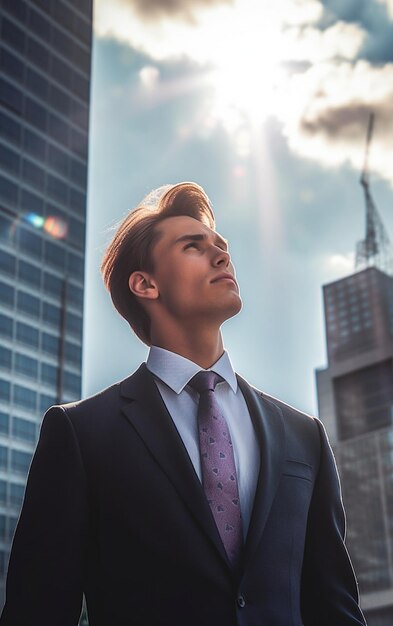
x=192, y=244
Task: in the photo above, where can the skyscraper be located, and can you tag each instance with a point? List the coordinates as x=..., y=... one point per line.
x=45, y=53
x=355, y=397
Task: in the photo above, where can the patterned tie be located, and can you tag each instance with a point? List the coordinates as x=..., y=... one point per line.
x=218, y=465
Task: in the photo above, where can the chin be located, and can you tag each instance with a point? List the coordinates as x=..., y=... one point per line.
x=233, y=308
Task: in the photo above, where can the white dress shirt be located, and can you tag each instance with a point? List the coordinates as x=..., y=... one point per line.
x=172, y=374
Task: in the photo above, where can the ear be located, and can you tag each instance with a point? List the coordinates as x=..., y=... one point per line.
x=141, y=284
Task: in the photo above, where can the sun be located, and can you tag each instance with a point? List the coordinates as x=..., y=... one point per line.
x=247, y=63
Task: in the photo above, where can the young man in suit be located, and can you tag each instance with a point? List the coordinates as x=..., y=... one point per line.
x=181, y=496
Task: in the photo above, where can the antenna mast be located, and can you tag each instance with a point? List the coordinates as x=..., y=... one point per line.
x=375, y=249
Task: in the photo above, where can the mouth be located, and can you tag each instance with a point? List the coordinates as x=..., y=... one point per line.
x=226, y=276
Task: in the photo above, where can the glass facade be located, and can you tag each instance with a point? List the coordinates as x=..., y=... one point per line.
x=355, y=397
x=45, y=51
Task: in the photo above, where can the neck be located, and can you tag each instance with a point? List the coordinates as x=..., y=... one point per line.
x=203, y=346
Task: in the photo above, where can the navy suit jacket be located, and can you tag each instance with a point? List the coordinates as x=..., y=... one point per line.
x=114, y=510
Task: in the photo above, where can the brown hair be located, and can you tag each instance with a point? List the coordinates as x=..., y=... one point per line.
x=131, y=248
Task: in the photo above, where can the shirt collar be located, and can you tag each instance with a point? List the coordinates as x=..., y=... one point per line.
x=176, y=371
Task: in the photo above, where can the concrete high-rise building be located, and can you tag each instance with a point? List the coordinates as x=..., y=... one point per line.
x=45, y=53
x=355, y=397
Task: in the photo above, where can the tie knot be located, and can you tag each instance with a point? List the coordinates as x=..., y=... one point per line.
x=205, y=381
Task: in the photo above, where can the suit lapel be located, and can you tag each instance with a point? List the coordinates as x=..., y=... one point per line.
x=147, y=413
x=269, y=427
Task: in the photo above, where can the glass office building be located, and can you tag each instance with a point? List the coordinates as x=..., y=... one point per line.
x=355, y=397
x=45, y=50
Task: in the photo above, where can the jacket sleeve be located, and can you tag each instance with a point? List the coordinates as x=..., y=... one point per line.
x=46, y=570
x=329, y=589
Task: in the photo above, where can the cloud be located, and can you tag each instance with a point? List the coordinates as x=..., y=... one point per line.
x=318, y=66
x=313, y=45
x=375, y=17
x=389, y=6
x=152, y=10
x=330, y=107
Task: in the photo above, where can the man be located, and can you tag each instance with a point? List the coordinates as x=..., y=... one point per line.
x=181, y=496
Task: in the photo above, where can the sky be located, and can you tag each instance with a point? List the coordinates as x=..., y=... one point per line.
x=266, y=105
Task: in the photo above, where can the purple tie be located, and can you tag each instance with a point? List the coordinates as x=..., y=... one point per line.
x=218, y=465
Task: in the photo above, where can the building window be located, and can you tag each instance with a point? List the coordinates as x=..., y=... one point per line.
x=27, y=334
x=75, y=266
x=77, y=232
x=26, y=365
x=3, y=457
x=53, y=285
x=5, y=358
x=58, y=160
x=61, y=72
x=4, y=422
x=30, y=243
x=75, y=296
x=28, y=304
x=31, y=203
x=72, y=383
x=29, y=274
x=57, y=189
x=5, y=390
x=82, y=59
x=73, y=353
x=77, y=202
x=12, y=522
x=9, y=160
x=46, y=402
x=34, y=144
x=74, y=324
x=20, y=461
x=50, y=344
x=49, y=374
x=5, y=326
x=80, y=114
x=58, y=129
x=38, y=54
x=35, y=114
x=24, y=429
x=13, y=35
x=25, y=397
x=33, y=174
x=54, y=255
x=39, y=25
x=64, y=16
x=81, y=87
x=9, y=194
x=11, y=65
x=82, y=31
x=3, y=520
x=7, y=295
x=16, y=494
x=10, y=129
x=7, y=263
x=37, y=84
x=51, y=314
x=78, y=143
x=3, y=492
x=11, y=97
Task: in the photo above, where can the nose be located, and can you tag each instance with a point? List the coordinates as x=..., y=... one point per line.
x=221, y=257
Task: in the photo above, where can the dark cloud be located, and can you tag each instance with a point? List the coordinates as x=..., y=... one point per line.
x=373, y=17
x=349, y=121
x=153, y=10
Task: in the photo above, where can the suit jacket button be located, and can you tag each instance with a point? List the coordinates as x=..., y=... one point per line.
x=241, y=602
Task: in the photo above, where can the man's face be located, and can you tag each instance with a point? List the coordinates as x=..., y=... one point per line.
x=193, y=272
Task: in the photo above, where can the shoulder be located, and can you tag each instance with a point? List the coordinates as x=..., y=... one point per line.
x=298, y=424
x=100, y=406
x=287, y=411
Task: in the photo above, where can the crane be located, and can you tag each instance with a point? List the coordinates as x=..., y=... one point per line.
x=375, y=249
